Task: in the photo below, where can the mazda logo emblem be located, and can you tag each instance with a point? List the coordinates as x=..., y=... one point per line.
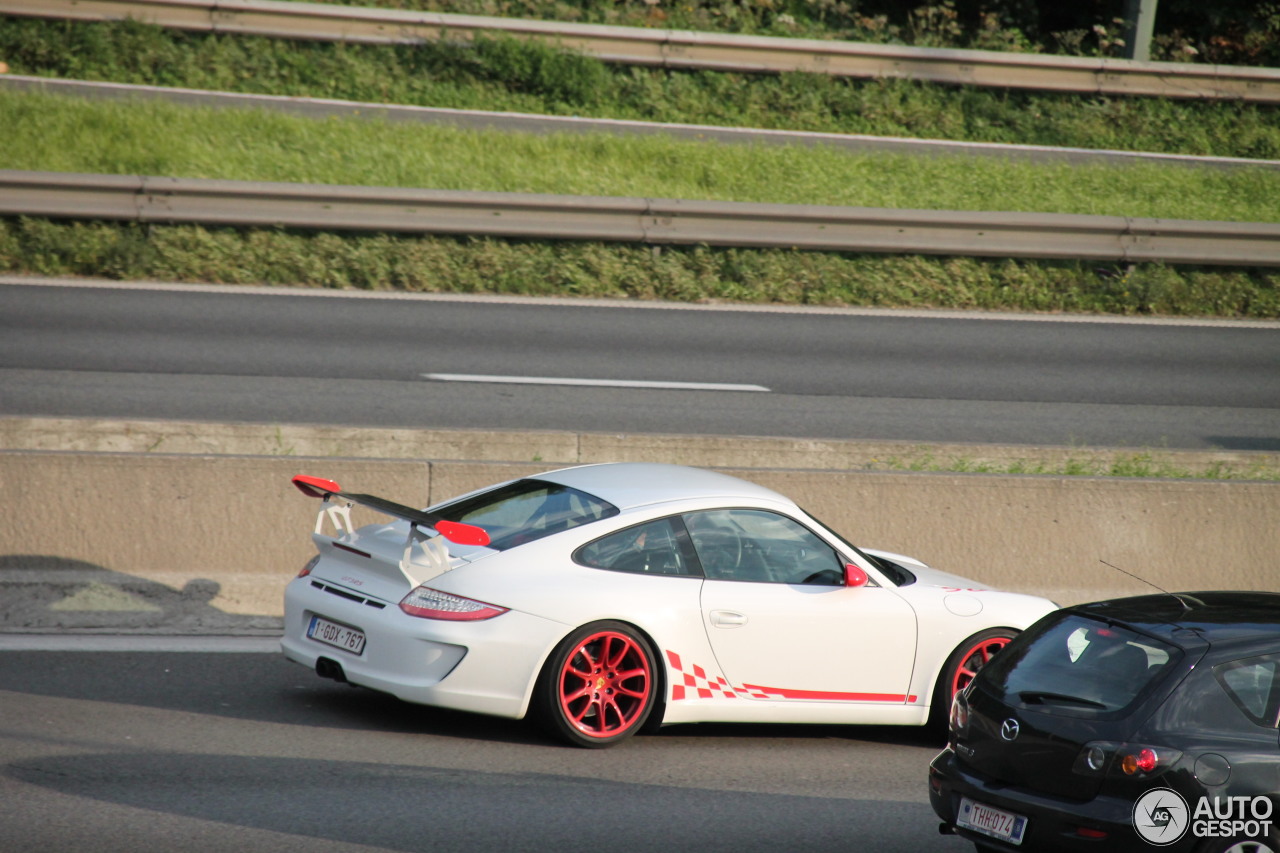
x=1009, y=729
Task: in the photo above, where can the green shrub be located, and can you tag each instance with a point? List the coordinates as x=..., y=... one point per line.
x=1225, y=32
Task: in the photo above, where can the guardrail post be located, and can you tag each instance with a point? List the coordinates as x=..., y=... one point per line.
x=1140, y=19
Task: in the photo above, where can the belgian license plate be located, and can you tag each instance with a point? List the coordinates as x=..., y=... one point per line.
x=348, y=639
x=996, y=823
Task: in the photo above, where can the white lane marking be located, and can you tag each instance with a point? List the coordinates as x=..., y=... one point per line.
x=595, y=383
x=584, y=302
x=136, y=643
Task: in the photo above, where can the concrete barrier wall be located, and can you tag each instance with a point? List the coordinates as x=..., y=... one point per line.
x=233, y=528
x=1048, y=535
x=555, y=448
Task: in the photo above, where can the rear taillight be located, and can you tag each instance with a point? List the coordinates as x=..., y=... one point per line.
x=427, y=603
x=311, y=564
x=1142, y=760
x=1131, y=760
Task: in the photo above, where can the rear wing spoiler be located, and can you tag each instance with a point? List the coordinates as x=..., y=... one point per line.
x=318, y=487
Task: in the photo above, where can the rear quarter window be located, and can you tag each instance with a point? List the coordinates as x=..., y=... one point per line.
x=654, y=547
x=1254, y=686
x=527, y=510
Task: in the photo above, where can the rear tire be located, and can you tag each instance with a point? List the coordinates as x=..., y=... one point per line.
x=964, y=663
x=598, y=687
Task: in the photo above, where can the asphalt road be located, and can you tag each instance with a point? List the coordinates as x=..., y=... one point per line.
x=244, y=752
x=246, y=355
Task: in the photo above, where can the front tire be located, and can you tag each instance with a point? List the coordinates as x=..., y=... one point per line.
x=962, y=666
x=598, y=687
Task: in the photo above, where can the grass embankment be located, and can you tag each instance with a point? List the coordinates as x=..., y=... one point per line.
x=49, y=132
x=506, y=75
x=1086, y=463
x=161, y=139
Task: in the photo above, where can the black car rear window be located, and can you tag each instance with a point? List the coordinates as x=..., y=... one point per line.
x=527, y=510
x=1079, y=664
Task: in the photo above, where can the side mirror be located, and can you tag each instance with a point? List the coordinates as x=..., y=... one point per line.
x=854, y=577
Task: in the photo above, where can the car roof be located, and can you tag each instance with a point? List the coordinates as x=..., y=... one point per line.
x=1217, y=616
x=627, y=485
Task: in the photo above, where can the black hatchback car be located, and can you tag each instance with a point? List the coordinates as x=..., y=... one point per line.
x=1127, y=725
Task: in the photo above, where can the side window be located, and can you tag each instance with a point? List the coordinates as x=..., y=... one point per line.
x=1254, y=685
x=649, y=548
x=760, y=546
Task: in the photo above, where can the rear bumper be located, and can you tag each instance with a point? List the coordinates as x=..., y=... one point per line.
x=487, y=667
x=1052, y=823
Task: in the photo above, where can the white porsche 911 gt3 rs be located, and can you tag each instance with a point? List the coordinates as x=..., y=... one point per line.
x=605, y=599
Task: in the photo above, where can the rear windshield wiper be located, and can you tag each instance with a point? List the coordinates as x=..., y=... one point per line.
x=1039, y=697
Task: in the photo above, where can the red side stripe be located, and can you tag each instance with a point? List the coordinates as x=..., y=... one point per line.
x=829, y=695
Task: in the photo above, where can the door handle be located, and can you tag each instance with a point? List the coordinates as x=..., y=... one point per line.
x=728, y=619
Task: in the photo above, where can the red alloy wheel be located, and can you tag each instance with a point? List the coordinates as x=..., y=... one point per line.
x=975, y=658
x=605, y=685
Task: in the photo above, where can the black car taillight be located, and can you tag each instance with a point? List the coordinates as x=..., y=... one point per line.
x=1124, y=760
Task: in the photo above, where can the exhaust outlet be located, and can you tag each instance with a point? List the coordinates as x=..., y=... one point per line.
x=327, y=668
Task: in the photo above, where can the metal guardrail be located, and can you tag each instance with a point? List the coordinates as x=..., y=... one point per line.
x=636, y=220
x=685, y=49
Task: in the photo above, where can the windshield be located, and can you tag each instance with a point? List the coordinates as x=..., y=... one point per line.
x=527, y=510
x=1080, y=664
x=896, y=574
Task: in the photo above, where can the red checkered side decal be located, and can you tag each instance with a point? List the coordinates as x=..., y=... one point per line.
x=695, y=682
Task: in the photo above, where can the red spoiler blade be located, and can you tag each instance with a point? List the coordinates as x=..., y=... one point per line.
x=316, y=487
x=455, y=531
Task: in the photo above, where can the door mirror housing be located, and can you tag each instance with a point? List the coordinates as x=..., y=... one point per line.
x=854, y=576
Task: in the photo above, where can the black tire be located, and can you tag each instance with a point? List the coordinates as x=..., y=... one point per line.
x=963, y=664
x=599, y=687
